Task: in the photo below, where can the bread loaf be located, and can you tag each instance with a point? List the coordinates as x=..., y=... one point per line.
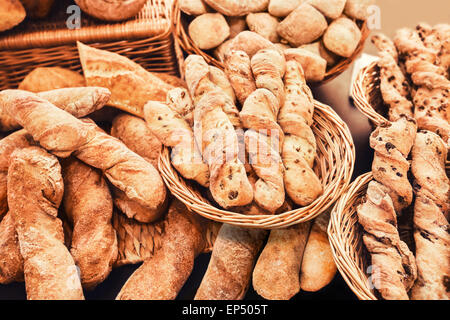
x=50, y=78
x=193, y=7
x=115, y=10
x=342, y=37
x=209, y=30
x=11, y=14
x=250, y=42
x=11, y=261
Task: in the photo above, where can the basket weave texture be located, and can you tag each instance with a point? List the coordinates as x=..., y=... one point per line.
x=334, y=166
x=182, y=38
x=146, y=39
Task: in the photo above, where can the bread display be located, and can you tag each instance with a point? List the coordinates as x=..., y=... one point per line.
x=279, y=25
x=12, y=13
x=108, y=10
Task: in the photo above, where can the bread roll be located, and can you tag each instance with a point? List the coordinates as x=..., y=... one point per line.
x=313, y=65
x=221, y=50
x=50, y=78
x=282, y=8
x=358, y=9
x=237, y=25
x=37, y=8
x=303, y=25
x=209, y=30
x=111, y=10
x=250, y=42
x=264, y=24
x=11, y=14
x=342, y=37
x=330, y=8
x=193, y=7
x=319, y=49
x=236, y=8
x=179, y=100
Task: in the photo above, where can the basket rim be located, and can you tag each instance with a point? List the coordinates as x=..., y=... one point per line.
x=183, y=39
x=350, y=271
x=146, y=24
x=359, y=93
x=332, y=191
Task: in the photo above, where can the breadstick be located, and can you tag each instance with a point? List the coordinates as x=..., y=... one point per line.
x=77, y=101
x=432, y=205
x=11, y=261
x=88, y=205
x=299, y=146
x=218, y=142
x=198, y=79
x=173, y=131
x=230, y=268
x=239, y=72
x=63, y=134
x=35, y=191
x=163, y=275
x=318, y=268
x=135, y=134
x=219, y=78
x=277, y=272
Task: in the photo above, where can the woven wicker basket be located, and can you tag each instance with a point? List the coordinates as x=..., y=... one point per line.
x=367, y=95
x=182, y=37
x=334, y=166
x=146, y=39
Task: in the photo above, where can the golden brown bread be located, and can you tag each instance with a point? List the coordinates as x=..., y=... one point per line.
x=313, y=65
x=89, y=207
x=250, y=42
x=35, y=191
x=358, y=9
x=11, y=14
x=193, y=7
x=37, y=8
x=209, y=30
x=342, y=37
x=329, y=8
x=282, y=8
x=123, y=77
x=264, y=24
x=50, y=78
x=111, y=10
x=179, y=100
x=11, y=261
x=63, y=134
x=238, y=7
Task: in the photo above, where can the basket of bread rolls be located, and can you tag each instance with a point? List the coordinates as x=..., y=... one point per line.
x=328, y=35
x=409, y=78
x=252, y=147
x=43, y=33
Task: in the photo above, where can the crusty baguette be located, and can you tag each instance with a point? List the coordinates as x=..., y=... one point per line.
x=50, y=78
x=318, y=268
x=299, y=146
x=174, y=132
x=35, y=191
x=63, y=134
x=111, y=10
x=163, y=274
x=220, y=79
x=123, y=77
x=135, y=134
x=89, y=207
x=11, y=261
x=277, y=272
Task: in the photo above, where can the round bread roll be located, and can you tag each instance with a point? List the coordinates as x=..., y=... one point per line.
x=330, y=8
x=11, y=14
x=342, y=37
x=111, y=10
x=282, y=8
x=358, y=9
x=313, y=65
x=209, y=30
x=238, y=8
x=193, y=7
x=303, y=25
x=264, y=24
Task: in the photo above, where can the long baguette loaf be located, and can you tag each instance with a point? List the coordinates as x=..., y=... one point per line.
x=277, y=272
x=63, y=134
x=88, y=205
x=35, y=190
x=299, y=146
x=173, y=131
x=431, y=228
x=163, y=275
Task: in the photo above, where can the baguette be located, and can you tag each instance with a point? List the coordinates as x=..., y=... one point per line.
x=63, y=135
x=432, y=189
x=11, y=261
x=35, y=190
x=122, y=77
x=88, y=205
x=174, y=132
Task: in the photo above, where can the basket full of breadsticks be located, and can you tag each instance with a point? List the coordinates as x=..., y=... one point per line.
x=328, y=35
x=390, y=231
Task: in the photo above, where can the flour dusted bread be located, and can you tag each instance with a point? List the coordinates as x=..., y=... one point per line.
x=115, y=10
x=238, y=7
x=179, y=100
x=131, y=85
x=342, y=37
x=358, y=9
x=282, y=8
x=11, y=14
x=49, y=78
x=237, y=25
x=209, y=30
x=250, y=42
x=11, y=261
x=303, y=25
x=313, y=65
x=193, y=7
x=264, y=24
x=35, y=191
x=239, y=72
x=330, y=8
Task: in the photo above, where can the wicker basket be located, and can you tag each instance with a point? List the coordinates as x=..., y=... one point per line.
x=182, y=37
x=146, y=39
x=334, y=166
x=367, y=95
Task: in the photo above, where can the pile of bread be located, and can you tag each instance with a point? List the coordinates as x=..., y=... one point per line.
x=323, y=32
x=13, y=12
x=406, y=209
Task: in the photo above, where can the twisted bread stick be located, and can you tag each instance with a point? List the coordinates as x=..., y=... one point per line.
x=88, y=205
x=63, y=134
x=432, y=205
x=35, y=190
x=299, y=146
x=239, y=72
